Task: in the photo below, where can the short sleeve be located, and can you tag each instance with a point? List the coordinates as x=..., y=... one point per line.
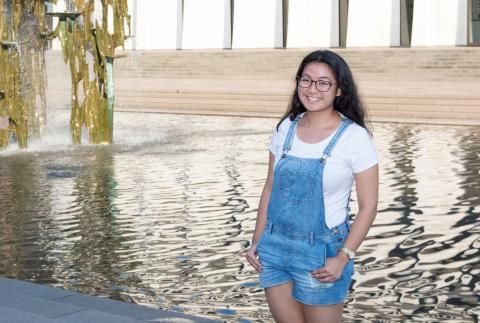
x=362, y=152
x=273, y=146
x=278, y=137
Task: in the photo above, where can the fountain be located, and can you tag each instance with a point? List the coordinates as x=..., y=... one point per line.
x=89, y=32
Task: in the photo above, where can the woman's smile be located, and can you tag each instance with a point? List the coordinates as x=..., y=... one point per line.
x=313, y=99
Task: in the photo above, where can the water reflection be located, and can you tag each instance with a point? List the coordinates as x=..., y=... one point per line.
x=162, y=217
x=25, y=238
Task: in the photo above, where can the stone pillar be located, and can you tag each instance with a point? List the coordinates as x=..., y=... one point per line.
x=474, y=21
x=439, y=23
x=313, y=23
x=257, y=24
x=158, y=24
x=204, y=23
x=373, y=23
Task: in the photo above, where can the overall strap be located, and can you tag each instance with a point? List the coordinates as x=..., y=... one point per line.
x=287, y=145
x=345, y=123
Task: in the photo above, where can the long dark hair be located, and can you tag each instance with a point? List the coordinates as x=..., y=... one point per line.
x=348, y=103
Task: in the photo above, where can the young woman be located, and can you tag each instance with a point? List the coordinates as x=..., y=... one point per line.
x=302, y=237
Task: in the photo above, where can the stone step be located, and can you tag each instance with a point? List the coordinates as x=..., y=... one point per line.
x=452, y=116
x=227, y=111
x=378, y=110
x=426, y=102
x=246, y=104
x=432, y=104
x=195, y=95
x=450, y=57
x=246, y=95
x=431, y=85
x=375, y=109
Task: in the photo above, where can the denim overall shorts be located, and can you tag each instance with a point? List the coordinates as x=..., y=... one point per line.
x=296, y=239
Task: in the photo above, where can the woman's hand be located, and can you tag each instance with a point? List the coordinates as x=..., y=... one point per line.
x=332, y=270
x=252, y=257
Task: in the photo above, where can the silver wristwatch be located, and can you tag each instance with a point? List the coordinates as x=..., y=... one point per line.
x=350, y=253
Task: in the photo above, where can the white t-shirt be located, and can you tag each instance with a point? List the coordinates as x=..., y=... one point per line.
x=353, y=153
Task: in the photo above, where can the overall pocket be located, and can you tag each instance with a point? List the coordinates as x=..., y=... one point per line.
x=307, y=256
x=265, y=238
x=335, y=244
x=296, y=186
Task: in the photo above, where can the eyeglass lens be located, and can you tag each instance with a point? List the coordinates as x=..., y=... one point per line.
x=321, y=85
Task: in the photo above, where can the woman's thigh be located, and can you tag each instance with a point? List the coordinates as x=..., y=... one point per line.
x=283, y=306
x=323, y=314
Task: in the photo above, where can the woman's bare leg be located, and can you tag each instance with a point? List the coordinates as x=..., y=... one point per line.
x=284, y=308
x=323, y=314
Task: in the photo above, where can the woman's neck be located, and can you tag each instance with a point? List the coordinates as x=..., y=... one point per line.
x=322, y=119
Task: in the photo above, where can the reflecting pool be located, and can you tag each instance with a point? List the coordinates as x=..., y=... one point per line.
x=162, y=217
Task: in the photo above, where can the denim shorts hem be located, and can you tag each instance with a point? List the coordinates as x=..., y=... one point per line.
x=268, y=285
x=340, y=301
x=329, y=296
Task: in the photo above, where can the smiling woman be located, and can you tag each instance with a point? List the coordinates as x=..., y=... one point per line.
x=302, y=234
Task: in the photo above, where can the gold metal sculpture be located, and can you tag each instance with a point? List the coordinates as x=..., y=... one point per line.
x=89, y=36
x=22, y=72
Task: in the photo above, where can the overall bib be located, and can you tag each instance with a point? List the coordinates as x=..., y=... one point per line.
x=296, y=239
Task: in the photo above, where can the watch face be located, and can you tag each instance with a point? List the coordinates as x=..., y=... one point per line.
x=350, y=253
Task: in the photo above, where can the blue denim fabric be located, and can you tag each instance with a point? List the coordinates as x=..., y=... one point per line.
x=296, y=239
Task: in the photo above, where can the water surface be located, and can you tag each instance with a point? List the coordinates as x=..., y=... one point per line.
x=162, y=217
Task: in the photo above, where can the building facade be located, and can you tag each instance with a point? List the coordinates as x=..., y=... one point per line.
x=232, y=24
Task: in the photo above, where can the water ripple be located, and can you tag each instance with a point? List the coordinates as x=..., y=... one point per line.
x=163, y=216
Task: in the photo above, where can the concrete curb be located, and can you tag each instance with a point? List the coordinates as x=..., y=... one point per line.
x=28, y=302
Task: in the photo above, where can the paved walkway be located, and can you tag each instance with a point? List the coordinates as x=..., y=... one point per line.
x=24, y=302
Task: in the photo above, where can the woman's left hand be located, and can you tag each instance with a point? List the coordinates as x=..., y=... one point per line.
x=332, y=270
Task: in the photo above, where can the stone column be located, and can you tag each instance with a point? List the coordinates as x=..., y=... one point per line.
x=439, y=23
x=257, y=24
x=373, y=23
x=204, y=23
x=474, y=21
x=313, y=23
x=158, y=24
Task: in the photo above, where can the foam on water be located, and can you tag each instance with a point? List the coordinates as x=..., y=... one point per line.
x=130, y=131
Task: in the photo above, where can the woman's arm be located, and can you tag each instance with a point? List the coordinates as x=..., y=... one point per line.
x=261, y=216
x=367, y=194
x=366, y=183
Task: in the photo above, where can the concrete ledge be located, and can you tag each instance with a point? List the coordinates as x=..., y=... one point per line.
x=27, y=302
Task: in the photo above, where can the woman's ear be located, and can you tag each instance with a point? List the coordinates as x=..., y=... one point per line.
x=339, y=92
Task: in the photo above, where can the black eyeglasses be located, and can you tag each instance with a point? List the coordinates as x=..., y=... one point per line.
x=321, y=85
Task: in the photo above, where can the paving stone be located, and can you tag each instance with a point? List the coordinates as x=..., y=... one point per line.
x=92, y=316
x=21, y=302
x=31, y=289
x=117, y=307
x=28, y=302
x=9, y=315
